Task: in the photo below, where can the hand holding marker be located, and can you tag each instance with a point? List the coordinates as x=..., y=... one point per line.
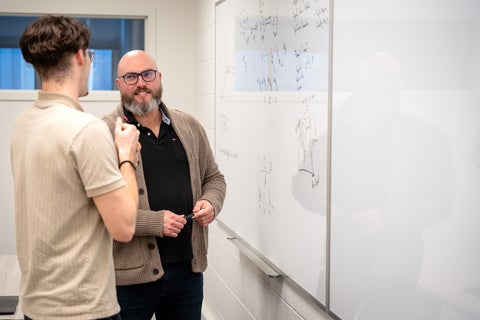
x=191, y=215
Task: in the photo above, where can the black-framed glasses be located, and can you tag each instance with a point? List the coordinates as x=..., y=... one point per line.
x=91, y=54
x=132, y=77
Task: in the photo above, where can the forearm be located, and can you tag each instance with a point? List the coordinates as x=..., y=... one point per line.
x=127, y=168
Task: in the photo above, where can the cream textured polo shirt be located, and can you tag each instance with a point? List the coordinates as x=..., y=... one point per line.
x=62, y=157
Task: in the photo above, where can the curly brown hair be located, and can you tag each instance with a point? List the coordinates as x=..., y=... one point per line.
x=48, y=42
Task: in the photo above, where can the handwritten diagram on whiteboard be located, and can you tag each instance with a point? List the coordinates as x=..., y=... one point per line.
x=271, y=123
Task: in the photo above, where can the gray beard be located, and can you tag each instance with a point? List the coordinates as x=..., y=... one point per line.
x=140, y=108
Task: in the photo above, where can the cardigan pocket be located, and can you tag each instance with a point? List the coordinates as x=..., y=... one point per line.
x=129, y=255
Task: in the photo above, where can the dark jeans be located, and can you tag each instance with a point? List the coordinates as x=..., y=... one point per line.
x=178, y=295
x=114, y=317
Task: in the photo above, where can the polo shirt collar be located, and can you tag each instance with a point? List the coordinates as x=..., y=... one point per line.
x=45, y=99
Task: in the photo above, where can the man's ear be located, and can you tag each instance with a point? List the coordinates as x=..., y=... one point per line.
x=80, y=56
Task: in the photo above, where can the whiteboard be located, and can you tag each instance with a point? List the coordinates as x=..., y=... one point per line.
x=405, y=160
x=271, y=94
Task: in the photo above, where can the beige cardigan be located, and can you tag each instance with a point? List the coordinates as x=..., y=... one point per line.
x=138, y=261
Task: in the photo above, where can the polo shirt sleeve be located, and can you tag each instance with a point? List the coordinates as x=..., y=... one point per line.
x=96, y=158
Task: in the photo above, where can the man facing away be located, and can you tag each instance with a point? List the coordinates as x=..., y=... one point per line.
x=71, y=198
x=161, y=270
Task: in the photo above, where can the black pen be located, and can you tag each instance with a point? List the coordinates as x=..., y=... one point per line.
x=192, y=215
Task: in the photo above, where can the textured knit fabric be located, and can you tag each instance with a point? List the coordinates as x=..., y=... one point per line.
x=61, y=157
x=139, y=261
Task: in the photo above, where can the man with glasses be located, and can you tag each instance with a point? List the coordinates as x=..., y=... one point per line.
x=181, y=191
x=71, y=198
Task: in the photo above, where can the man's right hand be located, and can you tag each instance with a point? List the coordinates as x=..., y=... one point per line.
x=172, y=224
x=126, y=141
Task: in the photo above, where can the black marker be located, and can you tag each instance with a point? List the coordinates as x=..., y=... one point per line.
x=190, y=216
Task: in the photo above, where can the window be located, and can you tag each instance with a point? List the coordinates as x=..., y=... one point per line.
x=16, y=73
x=111, y=38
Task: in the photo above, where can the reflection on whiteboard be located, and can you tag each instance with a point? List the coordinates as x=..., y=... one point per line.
x=274, y=52
x=400, y=183
x=278, y=60
x=404, y=213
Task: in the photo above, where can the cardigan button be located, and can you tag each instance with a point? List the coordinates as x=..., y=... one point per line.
x=141, y=191
x=151, y=246
x=156, y=271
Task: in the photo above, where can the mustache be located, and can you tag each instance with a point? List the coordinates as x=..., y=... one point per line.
x=142, y=89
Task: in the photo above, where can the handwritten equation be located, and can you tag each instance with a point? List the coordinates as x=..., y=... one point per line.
x=276, y=52
x=265, y=204
x=307, y=135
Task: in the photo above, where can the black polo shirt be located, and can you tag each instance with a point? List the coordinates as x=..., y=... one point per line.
x=167, y=176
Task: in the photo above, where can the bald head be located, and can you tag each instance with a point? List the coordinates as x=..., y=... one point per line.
x=143, y=92
x=136, y=61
